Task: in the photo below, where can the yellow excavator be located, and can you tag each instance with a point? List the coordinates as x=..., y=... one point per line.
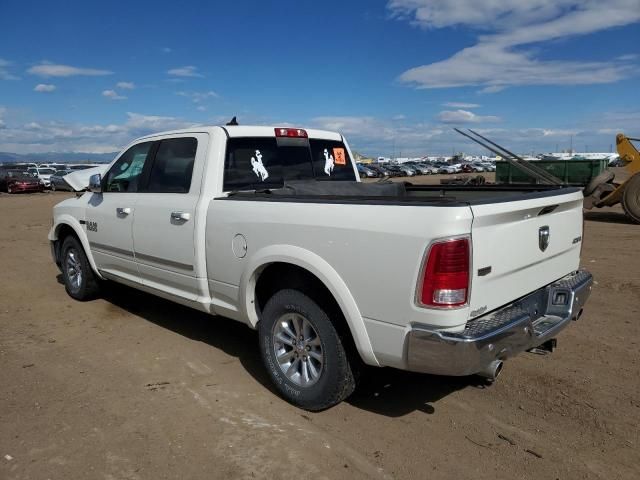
x=602, y=191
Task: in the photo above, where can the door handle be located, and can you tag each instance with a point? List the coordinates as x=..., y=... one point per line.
x=180, y=216
x=123, y=211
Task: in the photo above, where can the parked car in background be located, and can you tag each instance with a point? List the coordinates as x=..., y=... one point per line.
x=57, y=181
x=408, y=171
x=432, y=168
x=42, y=173
x=419, y=168
x=447, y=169
x=488, y=166
x=393, y=170
x=381, y=171
x=366, y=172
x=15, y=181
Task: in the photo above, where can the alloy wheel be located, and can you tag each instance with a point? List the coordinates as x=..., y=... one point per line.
x=298, y=349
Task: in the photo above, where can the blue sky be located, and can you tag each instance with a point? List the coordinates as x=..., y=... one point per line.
x=398, y=74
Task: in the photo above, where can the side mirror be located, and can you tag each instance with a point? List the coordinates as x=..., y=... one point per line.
x=95, y=183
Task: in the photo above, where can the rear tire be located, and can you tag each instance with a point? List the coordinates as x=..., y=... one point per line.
x=631, y=198
x=303, y=353
x=80, y=281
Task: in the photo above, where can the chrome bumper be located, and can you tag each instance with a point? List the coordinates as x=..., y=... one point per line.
x=503, y=333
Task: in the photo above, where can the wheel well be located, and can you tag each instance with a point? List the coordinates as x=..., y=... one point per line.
x=63, y=232
x=279, y=276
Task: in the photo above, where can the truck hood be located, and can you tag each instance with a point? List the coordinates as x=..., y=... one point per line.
x=79, y=180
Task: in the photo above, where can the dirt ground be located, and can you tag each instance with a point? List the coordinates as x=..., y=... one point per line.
x=134, y=387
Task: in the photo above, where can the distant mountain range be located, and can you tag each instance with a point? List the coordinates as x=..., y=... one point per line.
x=55, y=157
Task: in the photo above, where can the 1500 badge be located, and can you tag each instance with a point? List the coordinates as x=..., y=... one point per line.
x=92, y=226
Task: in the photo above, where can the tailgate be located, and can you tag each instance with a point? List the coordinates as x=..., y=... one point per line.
x=510, y=258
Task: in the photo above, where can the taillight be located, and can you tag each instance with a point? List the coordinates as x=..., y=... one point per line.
x=291, y=132
x=445, y=276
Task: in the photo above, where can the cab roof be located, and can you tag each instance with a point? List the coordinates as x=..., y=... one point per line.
x=234, y=131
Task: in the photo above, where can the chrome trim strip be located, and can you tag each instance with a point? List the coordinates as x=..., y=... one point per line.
x=111, y=250
x=162, y=261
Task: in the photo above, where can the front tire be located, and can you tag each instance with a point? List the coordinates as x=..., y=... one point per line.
x=303, y=353
x=80, y=281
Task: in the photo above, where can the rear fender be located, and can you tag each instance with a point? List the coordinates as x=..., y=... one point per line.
x=324, y=272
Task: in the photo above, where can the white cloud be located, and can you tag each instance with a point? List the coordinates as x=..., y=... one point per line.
x=44, y=87
x=144, y=124
x=166, y=50
x=126, y=85
x=198, y=97
x=188, y=71
x=201, y=108
x=367, y=135
x=398, y=117
x=464, y=116
x=492, y=89
x=113, y=95
x=4, y=71
x=38, y=137
x=495, y=63
x=57, y=70
x=460, y=105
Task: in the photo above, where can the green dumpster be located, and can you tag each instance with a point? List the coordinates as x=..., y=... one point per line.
x=572, y=172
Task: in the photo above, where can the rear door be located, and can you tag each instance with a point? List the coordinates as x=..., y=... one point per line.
x=520, y=246
x=109, y=215
x=165, y=222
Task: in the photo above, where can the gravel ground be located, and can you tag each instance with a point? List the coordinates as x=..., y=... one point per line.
x=134, y=387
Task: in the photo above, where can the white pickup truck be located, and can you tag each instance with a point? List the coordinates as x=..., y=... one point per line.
x=271, y=227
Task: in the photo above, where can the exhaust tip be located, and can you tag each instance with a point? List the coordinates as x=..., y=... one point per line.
x=492, y=371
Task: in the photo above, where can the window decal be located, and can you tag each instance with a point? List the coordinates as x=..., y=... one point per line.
x=258, y=167
x=328, y=162
x=338, y=153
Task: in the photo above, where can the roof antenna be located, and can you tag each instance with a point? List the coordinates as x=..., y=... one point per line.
x=233, y=121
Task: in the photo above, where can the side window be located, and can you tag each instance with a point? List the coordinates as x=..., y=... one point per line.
x=173, y=166
x=123, y=176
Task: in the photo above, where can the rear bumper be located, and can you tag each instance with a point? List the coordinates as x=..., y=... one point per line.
x=520, y=326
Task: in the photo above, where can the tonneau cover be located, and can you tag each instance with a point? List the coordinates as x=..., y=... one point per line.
x=341, y=188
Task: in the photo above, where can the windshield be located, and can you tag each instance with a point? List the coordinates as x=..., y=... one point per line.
x=46, y=171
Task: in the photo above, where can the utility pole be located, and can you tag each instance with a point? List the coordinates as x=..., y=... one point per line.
x=571, y=145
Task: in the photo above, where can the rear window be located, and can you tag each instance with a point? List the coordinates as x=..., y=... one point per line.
x=331, y=159
x=253, y=163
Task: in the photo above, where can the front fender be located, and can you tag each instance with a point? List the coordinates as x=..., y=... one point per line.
x=70, y=221
x=323, y=271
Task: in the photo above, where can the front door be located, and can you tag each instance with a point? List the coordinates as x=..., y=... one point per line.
x=110, y=214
